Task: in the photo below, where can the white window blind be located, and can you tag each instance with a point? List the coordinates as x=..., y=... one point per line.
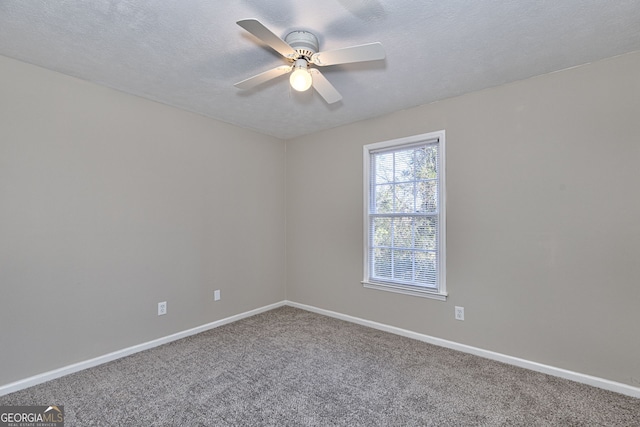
x=404, y=214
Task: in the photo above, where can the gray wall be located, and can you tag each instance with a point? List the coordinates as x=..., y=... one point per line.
x=543, y=226
x=109, y=204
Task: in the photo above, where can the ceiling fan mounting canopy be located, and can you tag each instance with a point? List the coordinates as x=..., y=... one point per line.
x=304, y=43
x=300, y=49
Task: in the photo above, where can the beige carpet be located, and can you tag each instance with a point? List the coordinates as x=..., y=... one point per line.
x=289, y=367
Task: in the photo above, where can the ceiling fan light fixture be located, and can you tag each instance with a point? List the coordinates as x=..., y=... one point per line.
x=300, y=78
x=301, y=48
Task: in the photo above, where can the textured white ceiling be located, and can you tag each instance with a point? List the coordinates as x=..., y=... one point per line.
x=189, y=53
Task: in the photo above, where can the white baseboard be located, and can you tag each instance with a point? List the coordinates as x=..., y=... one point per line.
x=66, y=370
x=523, y=363
x=527, y=364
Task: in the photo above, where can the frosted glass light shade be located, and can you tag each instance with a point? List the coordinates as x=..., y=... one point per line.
x=300, y=79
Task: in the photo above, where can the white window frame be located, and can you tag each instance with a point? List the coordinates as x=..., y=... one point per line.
x=440, y=293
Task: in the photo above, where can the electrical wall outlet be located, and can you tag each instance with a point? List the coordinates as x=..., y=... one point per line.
x=459, y=313
x=162, y=308
x=216, y=295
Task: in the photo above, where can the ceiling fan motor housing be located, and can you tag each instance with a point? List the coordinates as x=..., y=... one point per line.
x=305, y=43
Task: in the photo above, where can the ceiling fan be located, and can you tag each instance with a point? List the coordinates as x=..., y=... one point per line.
x=300, y=49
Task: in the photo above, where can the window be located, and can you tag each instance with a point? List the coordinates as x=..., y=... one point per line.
x=404, y=224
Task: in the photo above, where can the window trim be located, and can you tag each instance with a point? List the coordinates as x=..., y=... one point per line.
x=440, y=293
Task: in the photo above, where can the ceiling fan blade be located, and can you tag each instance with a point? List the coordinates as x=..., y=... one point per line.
x=360, y=53
x=324, y=88
x=267, y=36
x=263, y=77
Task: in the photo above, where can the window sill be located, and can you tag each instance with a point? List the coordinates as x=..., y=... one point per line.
x=406, y=290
